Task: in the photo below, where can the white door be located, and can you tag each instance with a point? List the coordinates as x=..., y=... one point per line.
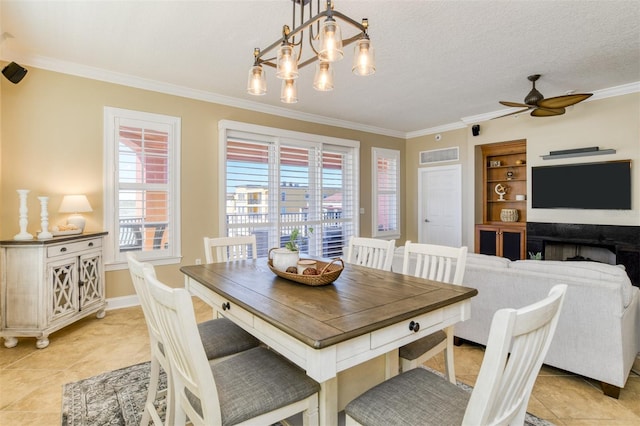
x=440, y=205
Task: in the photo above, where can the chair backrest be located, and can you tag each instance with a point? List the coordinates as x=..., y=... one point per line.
x=518, y=342
x=190, y=370
x=226, y=249
x=435, y=262
x=137, y=269
x=371, y=252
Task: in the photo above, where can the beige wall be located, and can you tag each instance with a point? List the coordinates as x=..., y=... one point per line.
x=52, y=143
x=612, y=123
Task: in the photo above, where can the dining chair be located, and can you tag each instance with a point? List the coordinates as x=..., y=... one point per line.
x=221, y=338
x=225, y=249
x=370, y=252
x=438, y=263
x=518, y=342
x=257, y=386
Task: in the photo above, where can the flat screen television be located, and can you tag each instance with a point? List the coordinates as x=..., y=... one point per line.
x=603, y=185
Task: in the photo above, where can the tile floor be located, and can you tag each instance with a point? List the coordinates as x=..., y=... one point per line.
x=31, y=379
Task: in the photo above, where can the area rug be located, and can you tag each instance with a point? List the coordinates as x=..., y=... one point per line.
x=117, y=398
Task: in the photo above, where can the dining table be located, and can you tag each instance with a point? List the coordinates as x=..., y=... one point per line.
x=326, y=329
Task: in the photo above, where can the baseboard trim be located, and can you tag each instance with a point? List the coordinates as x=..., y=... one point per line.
x=122, y=302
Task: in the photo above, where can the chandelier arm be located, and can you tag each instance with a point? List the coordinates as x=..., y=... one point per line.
x=348, y=20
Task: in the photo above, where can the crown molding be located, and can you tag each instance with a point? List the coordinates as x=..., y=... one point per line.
x=93, y=73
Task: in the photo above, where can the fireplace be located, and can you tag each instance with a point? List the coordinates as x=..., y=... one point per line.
x=616, y=245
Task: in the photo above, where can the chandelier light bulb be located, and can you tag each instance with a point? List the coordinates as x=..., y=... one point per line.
x=257, y=83
x=330, y=41
x=323, y=80
x=364, y=62
x=287, y=63
x=289, y=92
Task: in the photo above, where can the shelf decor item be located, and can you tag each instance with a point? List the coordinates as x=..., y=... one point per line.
x=509, y=215
x=24, y=221
x=500, y=190
x=44, y=219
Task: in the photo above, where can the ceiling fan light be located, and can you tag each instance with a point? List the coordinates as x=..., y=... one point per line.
x=364, y=60
x=330, y=41
x=257, y=82
x=289, y=92
x=323, y=80
x=286, y=62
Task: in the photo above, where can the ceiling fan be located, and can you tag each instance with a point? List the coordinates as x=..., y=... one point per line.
x=541, y=107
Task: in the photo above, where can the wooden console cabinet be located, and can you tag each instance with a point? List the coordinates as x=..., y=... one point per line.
x=503, y=164
x=49, y=284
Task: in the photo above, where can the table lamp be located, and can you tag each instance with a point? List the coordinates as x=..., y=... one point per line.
x=75, y=204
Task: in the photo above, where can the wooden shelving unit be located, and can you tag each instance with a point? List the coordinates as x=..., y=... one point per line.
x=503, y=164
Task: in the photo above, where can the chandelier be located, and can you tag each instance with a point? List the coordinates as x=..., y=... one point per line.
x=325, y=45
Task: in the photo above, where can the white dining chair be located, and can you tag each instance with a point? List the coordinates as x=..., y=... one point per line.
x=438, y=263
x=221, y=338
x=254, y=387
x=518, y=342
x=370, y=252
x=225, y=249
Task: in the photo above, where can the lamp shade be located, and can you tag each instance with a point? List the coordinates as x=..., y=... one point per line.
x=287, y=63
x=364, y=62
x=289, y=92
x=323, y=80
x=257, y=83
x=75, y=204
x=330, y=41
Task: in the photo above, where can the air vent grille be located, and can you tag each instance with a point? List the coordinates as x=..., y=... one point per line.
x=440, y=155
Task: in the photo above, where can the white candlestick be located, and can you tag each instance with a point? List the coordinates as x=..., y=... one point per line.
x=44, y=217
x=24, y=221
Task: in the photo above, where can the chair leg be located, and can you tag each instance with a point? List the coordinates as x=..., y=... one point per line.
x=448, y=356
x=149, y=409
x=311, y=416
x=406, y=365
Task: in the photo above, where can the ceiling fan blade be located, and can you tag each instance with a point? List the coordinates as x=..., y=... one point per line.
x=563, y=101
x=515, y=104
x=547, y=112
x=512, y=113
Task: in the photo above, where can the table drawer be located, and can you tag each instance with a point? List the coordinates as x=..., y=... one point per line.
x=401, y=330
x=74, y=247
x=229, y=309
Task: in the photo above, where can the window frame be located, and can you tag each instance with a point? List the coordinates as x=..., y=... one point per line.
x=114, y=259
x=230, y=129
x=392, y=154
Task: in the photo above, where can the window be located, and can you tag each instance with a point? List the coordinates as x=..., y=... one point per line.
x=314, y=180
x=386, y=193
x=141, y=187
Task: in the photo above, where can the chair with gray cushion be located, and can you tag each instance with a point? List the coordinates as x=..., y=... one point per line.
x=220, y=338
x=370, y=252
x=518, y=342
x=439, y=263
x=253, y=387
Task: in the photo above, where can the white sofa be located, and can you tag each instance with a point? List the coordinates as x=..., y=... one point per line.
x=598, y=334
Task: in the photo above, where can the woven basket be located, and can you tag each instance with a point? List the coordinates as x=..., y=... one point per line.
x=329, y=272
x=509, y=215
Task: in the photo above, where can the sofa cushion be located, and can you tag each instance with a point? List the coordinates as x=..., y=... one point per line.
x=487, y=260
x=589, y=270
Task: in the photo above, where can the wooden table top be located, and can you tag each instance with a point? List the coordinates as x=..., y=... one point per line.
x=360, y=301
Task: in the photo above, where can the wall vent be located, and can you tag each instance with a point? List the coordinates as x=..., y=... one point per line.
x=440, y=155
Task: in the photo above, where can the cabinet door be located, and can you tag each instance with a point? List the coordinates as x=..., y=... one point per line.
x=487, y=240
x=90, y=285
x=63, y=278
x=512, y=243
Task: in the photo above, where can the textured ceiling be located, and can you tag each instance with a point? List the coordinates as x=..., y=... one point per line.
x=437, y=61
